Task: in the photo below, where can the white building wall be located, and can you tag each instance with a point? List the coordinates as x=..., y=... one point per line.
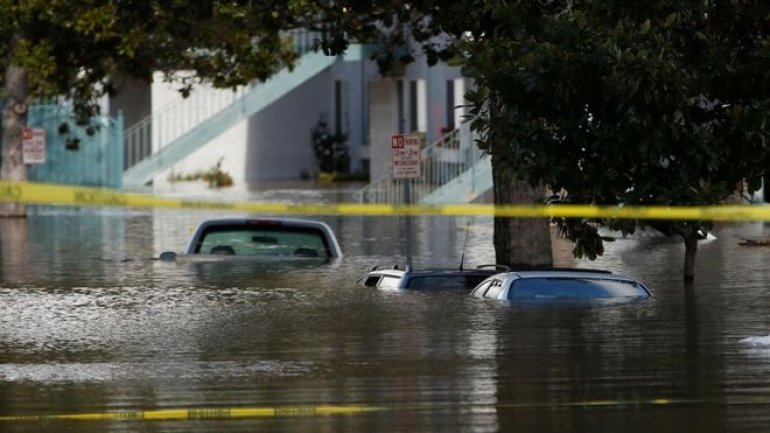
x=434, y=116
x=383, y=123
x=279, y=136
x=272, y=145
x=229, y=147
x=357, y=76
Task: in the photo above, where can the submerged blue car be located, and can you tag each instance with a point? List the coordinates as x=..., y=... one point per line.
x=573, y=285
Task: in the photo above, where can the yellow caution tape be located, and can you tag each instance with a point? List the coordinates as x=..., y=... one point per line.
x=39, y=193
x=326, y=410
x=203, y=413
x=603, y=403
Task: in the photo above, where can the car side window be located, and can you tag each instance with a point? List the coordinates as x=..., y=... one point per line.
x=389, y=282
x=371, y=281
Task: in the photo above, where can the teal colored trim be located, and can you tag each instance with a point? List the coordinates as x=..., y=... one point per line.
x=359, y=52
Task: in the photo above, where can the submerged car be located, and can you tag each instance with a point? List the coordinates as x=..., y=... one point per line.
x=396, y=278
x=261, y=238
x=551, y=285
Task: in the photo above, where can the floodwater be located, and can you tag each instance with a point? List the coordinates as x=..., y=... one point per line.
x=90, y=323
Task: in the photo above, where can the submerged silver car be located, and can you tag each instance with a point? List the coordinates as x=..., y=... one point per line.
x=569, y=285
x=261, y=238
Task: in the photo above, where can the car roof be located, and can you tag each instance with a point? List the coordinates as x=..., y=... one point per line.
x=396, y=271
x=287, y=221
x=571, y=274
x=509, y=278
x=451, y=271
x=566, y=273
x=521, y=271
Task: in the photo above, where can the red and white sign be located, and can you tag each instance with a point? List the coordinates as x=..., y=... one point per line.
x=405, y=155
x=33, y=145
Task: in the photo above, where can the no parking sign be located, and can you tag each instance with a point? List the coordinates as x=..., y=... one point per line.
x=33, y=145
x=405, y=155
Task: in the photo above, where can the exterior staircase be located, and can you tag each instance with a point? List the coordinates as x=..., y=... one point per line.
x=161, y=140
x=453, y=170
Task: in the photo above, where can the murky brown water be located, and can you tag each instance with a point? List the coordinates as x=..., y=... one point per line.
x=90, y=323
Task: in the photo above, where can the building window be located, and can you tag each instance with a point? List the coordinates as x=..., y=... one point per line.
x=340, y=107
x=401, y=107
x=413, y=108
x=450, y=106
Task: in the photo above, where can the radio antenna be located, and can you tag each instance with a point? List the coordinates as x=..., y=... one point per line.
x=462, y=255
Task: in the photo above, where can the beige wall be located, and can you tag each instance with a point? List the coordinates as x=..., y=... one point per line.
x=383, y=123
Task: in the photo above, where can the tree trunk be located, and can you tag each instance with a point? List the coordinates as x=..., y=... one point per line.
x=519, y=241
x=14, y=122
x=690, y=248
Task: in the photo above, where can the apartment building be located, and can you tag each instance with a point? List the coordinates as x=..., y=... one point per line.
x=263, y=132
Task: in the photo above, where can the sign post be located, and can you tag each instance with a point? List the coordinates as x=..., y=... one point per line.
x=406, y=165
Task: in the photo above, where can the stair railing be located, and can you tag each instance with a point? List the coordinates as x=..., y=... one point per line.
x=443, y=160
x=170, y=122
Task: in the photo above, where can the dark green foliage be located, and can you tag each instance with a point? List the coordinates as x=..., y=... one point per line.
x=76, y=48
x=641, y=103
x=661, y=102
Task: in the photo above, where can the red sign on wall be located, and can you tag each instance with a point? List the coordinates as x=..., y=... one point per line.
x=33, y=145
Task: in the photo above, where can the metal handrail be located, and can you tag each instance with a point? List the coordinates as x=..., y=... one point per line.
x=173, y=120
x=442, y=161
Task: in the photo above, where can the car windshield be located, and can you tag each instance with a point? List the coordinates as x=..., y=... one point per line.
x=548, y=288
x=264, y=241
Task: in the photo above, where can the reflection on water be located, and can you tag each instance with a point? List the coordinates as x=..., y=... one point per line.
x=90, y=322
